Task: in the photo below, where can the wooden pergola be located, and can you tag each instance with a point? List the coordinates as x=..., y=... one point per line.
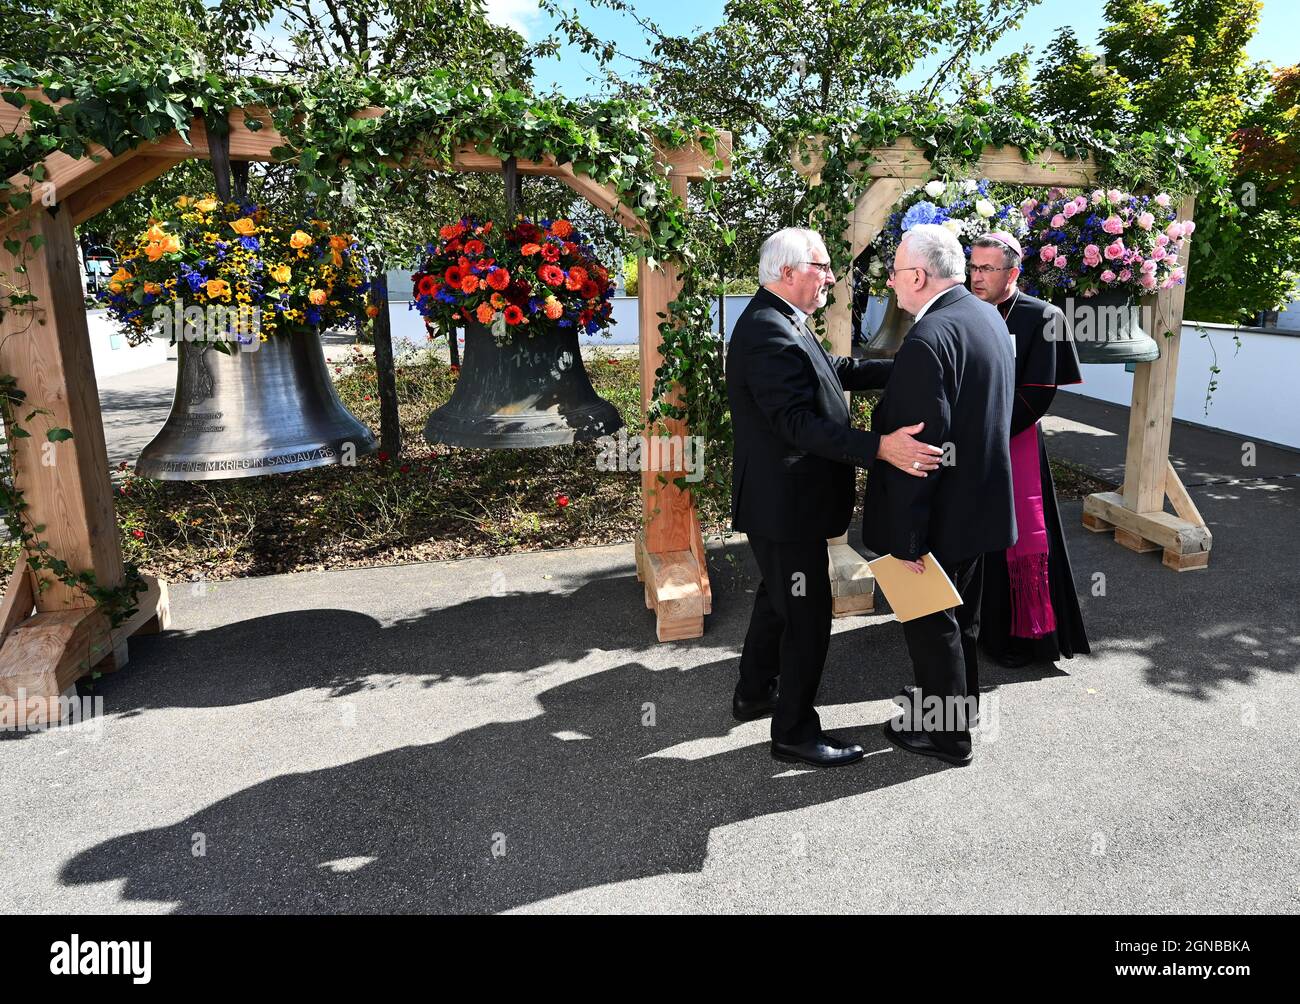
x=50, y=634
x=1136, y=512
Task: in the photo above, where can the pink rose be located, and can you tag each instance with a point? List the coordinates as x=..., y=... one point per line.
x=1048, y=253
x=1108, y=276
x=1149, y=266
x=1159, y=254
x=1115, y=196
x=1060, y=261
x=1113, y=225
x=1058, y=221
x=1162, y=240
x=1097, y=196
x=1080, y=203
x=1069, y=209
x=1028, y=206
x=1179, y=276
x=1126, y=275
x=1188, y=227
x=1162, y=200
x=1092, y=255
x=1115, y=249
x=1145, y=221
x=1148, y=280
x=1174, y=230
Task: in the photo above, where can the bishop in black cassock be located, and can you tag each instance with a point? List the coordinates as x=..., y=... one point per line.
x=1031, y=610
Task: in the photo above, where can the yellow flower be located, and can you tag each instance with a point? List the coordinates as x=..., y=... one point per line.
x=171, y=244
x=244, y=227
x=318, y=297
x=300, y=239
x=183, y=202
x=282, y=274
x=121, y=275
x=217, y=287
x=155, y=251
x=155, y=233
x=152, y=287
x=206, y=205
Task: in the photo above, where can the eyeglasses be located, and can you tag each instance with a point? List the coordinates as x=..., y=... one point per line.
x=988, y=269
x=910, y=268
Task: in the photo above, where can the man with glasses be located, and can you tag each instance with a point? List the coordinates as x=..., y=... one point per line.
x=1031, y=609
x=953, y=373
x=795, y=451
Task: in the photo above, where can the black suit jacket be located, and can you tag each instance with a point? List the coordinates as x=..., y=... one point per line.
x=794, y=449
x=955, y=372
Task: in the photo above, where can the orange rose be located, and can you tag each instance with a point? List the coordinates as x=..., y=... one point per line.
x=152, y=287
x=205, y=205
x=156, y=233
x=318, y=297
x=171, y=244
x=216, y=288
x=300, y=239
x=245, y=227
x=154, y=251
x=340, y=242
x=372, y=310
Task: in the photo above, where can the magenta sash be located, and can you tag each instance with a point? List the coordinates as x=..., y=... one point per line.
x=1031, y=600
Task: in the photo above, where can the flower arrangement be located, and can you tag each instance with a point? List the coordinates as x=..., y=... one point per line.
x=270, y=274
x=532, y=278
x=1106, y=241
x=968, y=208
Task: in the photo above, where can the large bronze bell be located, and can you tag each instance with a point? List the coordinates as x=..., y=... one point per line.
x=1107, y=329
x=894, y=327
x=525, y=392
x=266, y=411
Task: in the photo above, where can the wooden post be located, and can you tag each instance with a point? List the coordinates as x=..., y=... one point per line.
x=46, y=347
x=669, y=550
x=1136, y=513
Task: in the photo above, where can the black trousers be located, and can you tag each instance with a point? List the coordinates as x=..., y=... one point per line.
x=944, y=647
x=789, y=633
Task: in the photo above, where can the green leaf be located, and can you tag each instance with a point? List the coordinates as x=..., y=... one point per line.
x=58, y=435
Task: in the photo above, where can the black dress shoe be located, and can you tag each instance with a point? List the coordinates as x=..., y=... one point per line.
x=746, y=711
x=920, y=742
x=905, y=698
x=821, y=751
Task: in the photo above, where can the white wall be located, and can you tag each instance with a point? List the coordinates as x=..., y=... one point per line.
x=1258, y=393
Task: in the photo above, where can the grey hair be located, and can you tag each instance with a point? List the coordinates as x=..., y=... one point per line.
x=1009, y=257
x=786, y=247
x=939, y=249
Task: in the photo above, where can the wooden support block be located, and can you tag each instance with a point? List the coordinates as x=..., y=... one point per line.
x=1186, y=562
x=850, y=606
x=674, y=588
x=155, y=598
x=1134, y=542
x=1096, y=524
x=19, y=600
x=1156, y=527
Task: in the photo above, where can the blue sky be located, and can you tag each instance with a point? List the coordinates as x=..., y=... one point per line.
x=1278, y=38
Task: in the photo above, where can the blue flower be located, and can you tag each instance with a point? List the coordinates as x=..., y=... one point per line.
x=922, y=212
x=249, y=243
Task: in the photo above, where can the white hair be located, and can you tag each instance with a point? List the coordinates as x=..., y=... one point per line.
x=939, y=249
x=790, y=246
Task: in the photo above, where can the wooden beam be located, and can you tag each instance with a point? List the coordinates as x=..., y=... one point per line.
x=1151, y=414
x=48, y=350
x=1160, y=528
x=604, y=197
x=1182, y=501
x=117, y=185
x=19, y=600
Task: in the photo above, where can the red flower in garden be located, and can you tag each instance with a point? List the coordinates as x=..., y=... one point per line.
x=452, y=247
x=520, y=291
x=138, y=534
x=576, y=277
x=570, y=248
x=551, y=275
x=383, y=457
x=427, y=285
x=590, y=290
x=528, y=250
x=498, y=279
x=474, y=247
x=585, y=316
x=562, y=501
x=561, y=228
x=455, y=367
x=514, y=315
x=469, y=284
x=550, y=252
x=453, y=276
x=451, y=231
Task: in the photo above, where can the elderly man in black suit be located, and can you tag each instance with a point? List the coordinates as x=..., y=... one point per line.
x=793, y=485
x=955, y=373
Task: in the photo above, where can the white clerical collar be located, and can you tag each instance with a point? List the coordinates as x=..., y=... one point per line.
x=799, y=315
x=930, y=302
